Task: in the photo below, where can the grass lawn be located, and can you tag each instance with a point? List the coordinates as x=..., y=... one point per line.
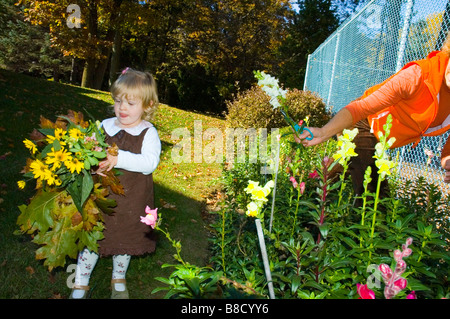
x=182, y=187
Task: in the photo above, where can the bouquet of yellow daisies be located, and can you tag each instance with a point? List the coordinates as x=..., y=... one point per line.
x=64, y=215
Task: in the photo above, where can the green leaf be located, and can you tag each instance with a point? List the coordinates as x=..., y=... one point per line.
x=87, y=165
x=193, y=285
x=37, y=215
x=87, y=186
x=106, y=205
x=296, y=281
x=90, y=239
x=80, y=189
x=416, y=285
x=47, y=131
x=99, y=154
x=74, y=189
x=58, y=243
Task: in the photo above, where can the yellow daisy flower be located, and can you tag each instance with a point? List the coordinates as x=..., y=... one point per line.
x=58, y=157
x=53, y=179
x=50, y=139
x=74, y=165
x=76, y=133
x=40, y=170
x=59, y=133
x=21, y=184
x=30, y=145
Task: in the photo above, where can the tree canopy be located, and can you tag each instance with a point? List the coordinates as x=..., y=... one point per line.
x=201, y=52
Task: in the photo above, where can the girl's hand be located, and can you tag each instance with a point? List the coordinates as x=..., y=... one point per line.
x=445, y=162
x=107, y=164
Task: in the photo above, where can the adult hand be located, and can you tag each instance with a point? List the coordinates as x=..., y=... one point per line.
x=318, y=137
x=342, y=120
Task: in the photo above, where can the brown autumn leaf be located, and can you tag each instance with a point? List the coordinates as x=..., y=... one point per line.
x=76, y=219
x=77, y=118
x=36, y=136
x=46, y=123
x=113, y=150
x=110, y=179
x=30, y=270
x=167, y=205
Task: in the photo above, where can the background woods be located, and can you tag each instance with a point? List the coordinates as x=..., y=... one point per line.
x=202, y=52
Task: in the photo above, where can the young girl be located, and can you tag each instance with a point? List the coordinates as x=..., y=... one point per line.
x=135, y=101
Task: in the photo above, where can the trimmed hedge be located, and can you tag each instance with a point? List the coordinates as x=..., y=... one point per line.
x=251, y=109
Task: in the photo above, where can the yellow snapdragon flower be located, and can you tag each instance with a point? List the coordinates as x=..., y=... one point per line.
x=346, y=146
x=259, y=197
x=251, y=186
x=384, y=167
x=252, y=209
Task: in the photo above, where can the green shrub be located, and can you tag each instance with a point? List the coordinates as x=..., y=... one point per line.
x=252, y=109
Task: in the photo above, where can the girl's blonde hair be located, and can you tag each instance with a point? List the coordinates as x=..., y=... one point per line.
x=142, y=85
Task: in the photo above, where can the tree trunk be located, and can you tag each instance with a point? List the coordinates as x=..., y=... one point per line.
x=92, y=27
x=87, y=80
x=100, y=69
x=115, y=57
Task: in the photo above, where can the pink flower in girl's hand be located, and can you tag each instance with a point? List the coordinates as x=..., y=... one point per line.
x=151, y=217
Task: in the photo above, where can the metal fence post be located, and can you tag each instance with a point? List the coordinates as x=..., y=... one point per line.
x=334, y=68
x=307, y=71
x=404, y=36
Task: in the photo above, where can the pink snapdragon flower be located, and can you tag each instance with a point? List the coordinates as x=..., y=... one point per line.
x=412, y=295
x=394, y=283
x=295, y=184
x=302, y=187
x=364, y=292
x=314, y=175
x=293, y=181
x=151, y=217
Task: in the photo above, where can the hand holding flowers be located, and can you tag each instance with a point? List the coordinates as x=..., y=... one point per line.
x=106, y=165
x=64, y=215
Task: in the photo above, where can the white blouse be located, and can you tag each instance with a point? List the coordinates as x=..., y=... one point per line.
x=148, y=160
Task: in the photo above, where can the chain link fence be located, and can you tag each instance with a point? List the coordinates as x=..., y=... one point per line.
x=370, y=46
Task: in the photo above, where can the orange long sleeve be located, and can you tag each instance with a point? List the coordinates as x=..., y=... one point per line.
x=401, y=86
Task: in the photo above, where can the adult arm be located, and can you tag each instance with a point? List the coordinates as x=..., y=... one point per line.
x=401, y=86
x=342, y=120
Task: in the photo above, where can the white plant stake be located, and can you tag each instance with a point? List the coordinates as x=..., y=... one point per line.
x=262, y=245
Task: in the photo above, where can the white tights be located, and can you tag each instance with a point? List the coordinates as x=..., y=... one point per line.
x=85, y=266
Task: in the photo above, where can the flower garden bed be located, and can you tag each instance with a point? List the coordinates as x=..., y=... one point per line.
x=316, y=242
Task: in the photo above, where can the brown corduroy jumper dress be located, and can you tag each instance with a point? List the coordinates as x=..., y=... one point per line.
x=124, y=232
